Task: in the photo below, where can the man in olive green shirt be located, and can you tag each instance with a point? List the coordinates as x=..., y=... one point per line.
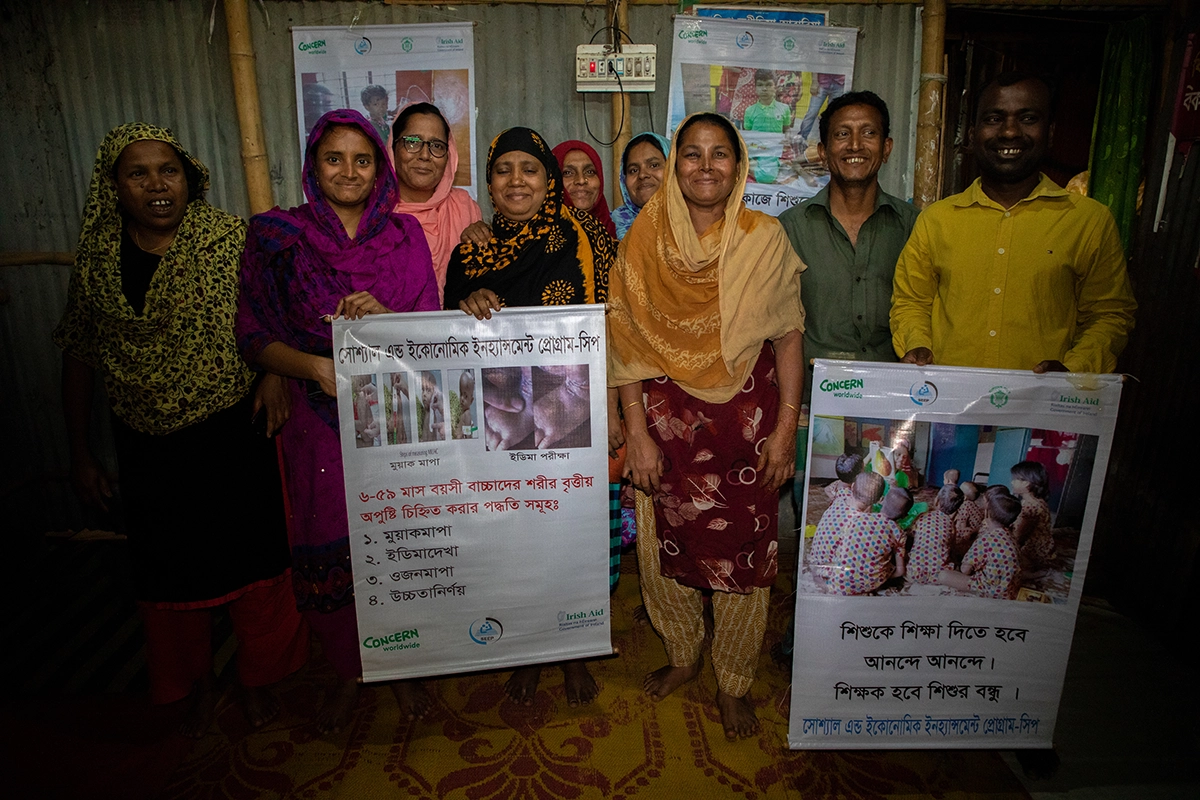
x=850, y=235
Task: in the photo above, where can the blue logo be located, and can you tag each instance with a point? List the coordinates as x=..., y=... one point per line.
x=362, y=46
x=745, y=39
x=486, y=630
x=923, y=393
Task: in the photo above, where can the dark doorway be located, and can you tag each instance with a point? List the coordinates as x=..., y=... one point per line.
x=1065, y=48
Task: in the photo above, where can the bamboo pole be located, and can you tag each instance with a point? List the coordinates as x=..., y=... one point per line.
x=621, y=122
x=245, y=94
x=929, y=106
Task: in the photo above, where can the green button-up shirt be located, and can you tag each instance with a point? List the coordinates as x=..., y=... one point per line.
x=847, y=289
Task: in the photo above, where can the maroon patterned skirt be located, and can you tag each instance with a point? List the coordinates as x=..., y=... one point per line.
x=717, y=528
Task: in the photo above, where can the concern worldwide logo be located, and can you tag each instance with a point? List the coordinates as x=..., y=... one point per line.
x=400, y=640
x=848, y=387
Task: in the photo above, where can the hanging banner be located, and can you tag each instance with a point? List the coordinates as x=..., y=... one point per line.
x=476, y=457
x=771, y=81
x=377, y=70
x=786, y=16
x=944, y=625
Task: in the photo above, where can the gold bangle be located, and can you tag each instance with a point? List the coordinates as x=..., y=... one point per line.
x=789, y=405
x=631, y=405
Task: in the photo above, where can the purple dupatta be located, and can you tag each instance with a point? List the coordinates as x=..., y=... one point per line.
x=299, y=263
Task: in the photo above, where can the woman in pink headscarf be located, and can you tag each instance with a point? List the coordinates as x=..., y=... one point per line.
x=426, y=160
x=583, y=180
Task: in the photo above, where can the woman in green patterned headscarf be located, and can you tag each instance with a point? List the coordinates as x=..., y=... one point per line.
x=150, y=308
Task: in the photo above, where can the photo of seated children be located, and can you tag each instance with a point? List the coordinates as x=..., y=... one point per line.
x=431, y=413
x=841, y=502
x=462, y=404
x=397, y=407
x=991, y=567
x=933, y=536
x=364, y=395
x=870, y=545
x=1041, y=476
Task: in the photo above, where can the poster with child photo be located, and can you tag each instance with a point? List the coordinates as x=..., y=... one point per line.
x=946, y=525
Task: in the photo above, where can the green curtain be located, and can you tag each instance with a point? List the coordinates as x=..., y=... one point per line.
x=1118, y=133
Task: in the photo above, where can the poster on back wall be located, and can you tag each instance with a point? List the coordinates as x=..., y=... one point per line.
x=475, y=459
x=932, y=611
x=377, y=70
x=771, y=81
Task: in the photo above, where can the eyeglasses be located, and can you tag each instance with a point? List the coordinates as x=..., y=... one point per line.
x=413, y=144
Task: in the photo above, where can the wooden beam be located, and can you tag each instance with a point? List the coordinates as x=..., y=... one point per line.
x=1062, y=5
x=927, y=172
x=621, y=123
x=245, y=94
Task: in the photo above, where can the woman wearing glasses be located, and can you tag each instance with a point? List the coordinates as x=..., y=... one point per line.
x=426, y=160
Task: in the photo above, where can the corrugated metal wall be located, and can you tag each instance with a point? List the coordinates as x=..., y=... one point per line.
x=522, y=58
x=72, y=70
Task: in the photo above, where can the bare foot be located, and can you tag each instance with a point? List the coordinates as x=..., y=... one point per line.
x=260, y=705
x=737, y=716
x=413, y=698
x=580, y=686
x=334, y=714
x=665, y=680
x=200, y=716
x=522, y=686
x=641, y=616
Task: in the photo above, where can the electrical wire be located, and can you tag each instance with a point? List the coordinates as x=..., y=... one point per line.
x=621, y=127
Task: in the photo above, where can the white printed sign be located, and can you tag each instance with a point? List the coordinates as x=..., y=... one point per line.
x=377, y=70
x=969, y=646
x=771, y=81
x=475, y=458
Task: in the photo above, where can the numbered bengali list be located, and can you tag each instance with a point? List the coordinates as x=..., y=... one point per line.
x=413, y=554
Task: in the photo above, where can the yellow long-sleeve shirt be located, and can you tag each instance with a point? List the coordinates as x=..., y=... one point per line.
x=985, y=286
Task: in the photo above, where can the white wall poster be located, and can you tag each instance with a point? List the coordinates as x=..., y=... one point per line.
x=377, y=70
x=921, y=628
x=771, y=81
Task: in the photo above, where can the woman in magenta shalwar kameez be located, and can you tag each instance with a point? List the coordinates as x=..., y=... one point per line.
x=345, y=253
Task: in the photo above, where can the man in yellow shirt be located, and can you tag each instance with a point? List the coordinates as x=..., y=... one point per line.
x=1013, y=273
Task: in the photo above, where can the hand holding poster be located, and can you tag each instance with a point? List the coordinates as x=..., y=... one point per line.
x=771, y=81
x=475, y=456
x=932, y=611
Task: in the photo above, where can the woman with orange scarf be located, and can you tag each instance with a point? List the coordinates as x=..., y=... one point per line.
x=705, y=347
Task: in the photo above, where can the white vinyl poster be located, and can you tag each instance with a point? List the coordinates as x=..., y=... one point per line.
x=943, y=625
x=377, y=70
x=476, y=457
x=771, y=81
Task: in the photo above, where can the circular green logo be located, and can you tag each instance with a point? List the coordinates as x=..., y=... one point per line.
x=998, y=396
x=789, y=44
x=406, y=44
